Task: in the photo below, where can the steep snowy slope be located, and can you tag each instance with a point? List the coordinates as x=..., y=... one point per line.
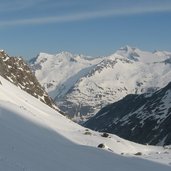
x=17, y=71
x=139, y=118
x=104, y=80
x=35, y=137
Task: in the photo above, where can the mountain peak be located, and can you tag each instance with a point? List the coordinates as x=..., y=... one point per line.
x=131, y=53
x=65, y=53
x=127, y=48
x=1, y=50
x=3, y=53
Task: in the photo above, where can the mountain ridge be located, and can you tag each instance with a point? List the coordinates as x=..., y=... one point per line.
x=17, y=71
x=107, y=79
x=139, y=118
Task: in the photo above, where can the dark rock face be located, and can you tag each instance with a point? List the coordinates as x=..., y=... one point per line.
x=139, y=118
x=15, y=70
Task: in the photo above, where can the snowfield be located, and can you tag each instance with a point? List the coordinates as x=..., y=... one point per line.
x=35, y=137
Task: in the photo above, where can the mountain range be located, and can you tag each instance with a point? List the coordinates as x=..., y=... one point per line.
x=82, y=85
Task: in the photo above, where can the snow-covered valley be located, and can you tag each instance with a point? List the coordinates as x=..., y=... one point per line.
x=36, y=137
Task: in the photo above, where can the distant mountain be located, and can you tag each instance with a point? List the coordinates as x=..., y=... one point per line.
x=139, y=118
x=82, y=85
x=59, y=73
x=16, y=70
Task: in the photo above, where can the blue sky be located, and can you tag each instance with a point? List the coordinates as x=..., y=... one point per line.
x=91, y=27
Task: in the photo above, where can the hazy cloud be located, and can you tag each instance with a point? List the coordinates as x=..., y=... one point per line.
x=85, y=15
x=14, y=5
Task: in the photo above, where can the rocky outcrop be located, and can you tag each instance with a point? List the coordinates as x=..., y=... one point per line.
x=16, y=70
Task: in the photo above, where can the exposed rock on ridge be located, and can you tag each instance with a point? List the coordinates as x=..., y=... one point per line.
x=18, y=72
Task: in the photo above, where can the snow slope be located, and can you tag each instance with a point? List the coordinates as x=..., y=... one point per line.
x=82, y=86
x=34, y=137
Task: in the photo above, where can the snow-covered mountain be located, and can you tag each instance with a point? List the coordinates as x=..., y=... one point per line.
x=59, y=73
x=16, y=70
x=139, y=118
x=81, y=86
x=35, y=137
